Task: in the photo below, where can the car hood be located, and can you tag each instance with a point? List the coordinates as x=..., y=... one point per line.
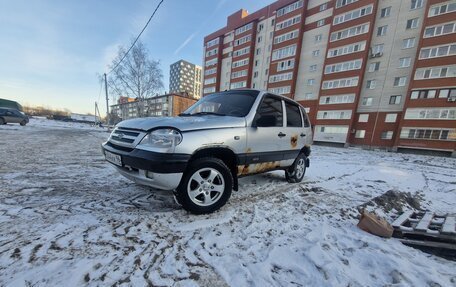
x=184, y=123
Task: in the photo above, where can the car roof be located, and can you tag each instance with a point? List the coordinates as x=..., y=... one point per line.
x=265, y=92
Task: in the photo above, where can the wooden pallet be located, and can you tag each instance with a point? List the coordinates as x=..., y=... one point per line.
x=426, y=229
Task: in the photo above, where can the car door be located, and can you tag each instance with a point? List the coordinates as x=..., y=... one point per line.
x=295, y=132
x=9, y=117
x=266, y=137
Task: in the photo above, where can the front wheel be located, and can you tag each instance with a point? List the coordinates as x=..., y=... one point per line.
x=295, y=173
x=23, y=123
x=205, y=187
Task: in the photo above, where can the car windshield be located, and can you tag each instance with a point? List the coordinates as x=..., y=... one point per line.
x=233, y=103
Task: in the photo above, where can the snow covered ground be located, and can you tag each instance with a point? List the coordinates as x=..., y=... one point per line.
x=68, y=219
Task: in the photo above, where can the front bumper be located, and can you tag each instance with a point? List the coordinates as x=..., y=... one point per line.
x=158, y=170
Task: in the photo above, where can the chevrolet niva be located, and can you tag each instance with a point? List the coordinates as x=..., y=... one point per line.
x=201, y=153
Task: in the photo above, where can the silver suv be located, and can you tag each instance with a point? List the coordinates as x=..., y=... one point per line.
x=200, y=154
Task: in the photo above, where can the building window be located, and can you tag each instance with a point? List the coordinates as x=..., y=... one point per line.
x=430, y=114
x=340, y=83
x=387, y=135
x=423, y=94
x=337, y=99
x=285, y=65
x=404, y=62
x=260, y=27
x=442, y=9
x=318, y=38
x=390, y=118
x=290, y=8
x=259, y=39
x=360, y=134
x=316, y=53
x=374, y=66
x=408, y=43
x=311, y=82
x=438, y=51
x=381, y=31
x=367, y=101
x=287, y=23
x=284, y=52
x=400, y=81
x=243, y=29
x=323, y=7
x=285, y=37
x=349, y=49
x=340, y=3
x=428, y=133
x=448, y=93
x=281, y=90
x=349, y=32
x=312, y=68
x=412, y=23
x=395, y=100
x=354, y=14
x=435, y=72
x=385, y=12
x=415, y=4
x=363, y=118
x=370, y=84
x=321, y=22
x=439, y=30
x=378, y=49
x=344, y=66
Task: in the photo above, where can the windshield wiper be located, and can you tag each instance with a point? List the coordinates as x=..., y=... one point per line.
x=184, y=115
x=206, y=113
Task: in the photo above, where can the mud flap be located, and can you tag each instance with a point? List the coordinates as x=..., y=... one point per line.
x=307, y=162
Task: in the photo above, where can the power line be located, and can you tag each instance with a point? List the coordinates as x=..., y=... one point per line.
x=156, y=8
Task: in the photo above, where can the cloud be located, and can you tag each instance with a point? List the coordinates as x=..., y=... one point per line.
x=185, y=43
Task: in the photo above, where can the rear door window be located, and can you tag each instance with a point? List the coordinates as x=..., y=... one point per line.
x=293, y=115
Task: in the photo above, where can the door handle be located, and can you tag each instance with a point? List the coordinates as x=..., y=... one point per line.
x=302, y=135
x=281, y=135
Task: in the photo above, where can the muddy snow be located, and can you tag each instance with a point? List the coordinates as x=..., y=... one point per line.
x=68, y=219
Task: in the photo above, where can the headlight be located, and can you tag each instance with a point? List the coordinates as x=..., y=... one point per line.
x=162, y=138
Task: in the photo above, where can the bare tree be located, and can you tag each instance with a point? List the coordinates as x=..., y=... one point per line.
x=137, y=76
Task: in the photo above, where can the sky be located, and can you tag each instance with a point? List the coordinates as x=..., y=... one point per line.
x=52, y=51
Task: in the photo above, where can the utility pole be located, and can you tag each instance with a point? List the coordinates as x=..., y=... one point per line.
x=107, y=99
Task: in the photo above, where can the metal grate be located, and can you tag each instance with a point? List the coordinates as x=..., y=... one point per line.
x=126, y=137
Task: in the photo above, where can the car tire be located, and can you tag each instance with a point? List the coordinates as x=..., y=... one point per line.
x=296, y=172
x=2, y=121
x=23, y=123
x=205, y=187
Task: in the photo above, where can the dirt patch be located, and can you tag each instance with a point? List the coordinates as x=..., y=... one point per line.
x=395, y=200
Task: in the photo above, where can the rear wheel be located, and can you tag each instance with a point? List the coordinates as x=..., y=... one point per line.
x=23, y=123
x=295, y=173
x=205, y=187
x=2, y=121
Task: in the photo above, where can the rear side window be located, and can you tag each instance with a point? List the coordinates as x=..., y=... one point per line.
x=270, y=113
x=306, y=119
x=293, y=115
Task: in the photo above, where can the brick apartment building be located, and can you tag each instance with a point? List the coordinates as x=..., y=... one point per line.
x=160, y=106
x=370, y=73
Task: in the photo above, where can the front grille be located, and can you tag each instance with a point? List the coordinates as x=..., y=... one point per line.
x=126, y=138
x=118, y=147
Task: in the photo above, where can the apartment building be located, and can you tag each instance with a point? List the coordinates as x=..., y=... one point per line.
x=160, y=106
x=370, y=73
x=185, y=77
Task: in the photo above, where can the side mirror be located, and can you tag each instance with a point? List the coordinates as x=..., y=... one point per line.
x=266, y=121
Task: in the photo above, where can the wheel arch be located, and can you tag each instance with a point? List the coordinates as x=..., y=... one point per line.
x=225, y=154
